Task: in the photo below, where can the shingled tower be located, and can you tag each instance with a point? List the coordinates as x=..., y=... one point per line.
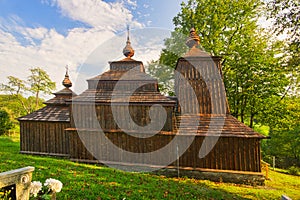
x=204, y=75
x=222, y=142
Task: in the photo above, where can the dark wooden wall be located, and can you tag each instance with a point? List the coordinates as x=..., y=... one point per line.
x=91, y=116
x=204, y=76
x=47, y=138
x=229, y=153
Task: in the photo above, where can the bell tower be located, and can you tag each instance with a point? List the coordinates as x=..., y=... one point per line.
x=201, y=72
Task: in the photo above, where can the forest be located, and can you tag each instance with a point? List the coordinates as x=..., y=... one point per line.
x=261, y=72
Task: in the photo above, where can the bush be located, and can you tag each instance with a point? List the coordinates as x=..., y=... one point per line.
x=294, y=170
x=5, y=122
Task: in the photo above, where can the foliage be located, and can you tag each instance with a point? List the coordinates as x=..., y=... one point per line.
x=6, y=193
x=163, y=69
x=294, y=170
x=219, y=23
x=252, y=68
x=165, y=77
x=284, y=131
x=13, y=105
x=15, y=86
x=5, y=122
x=83, y=181
x=252, y=75
x=287, y=18
x=39, y=81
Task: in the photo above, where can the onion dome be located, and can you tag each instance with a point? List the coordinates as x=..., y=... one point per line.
x=66, y=82
x=128, y=50
x=193, y=40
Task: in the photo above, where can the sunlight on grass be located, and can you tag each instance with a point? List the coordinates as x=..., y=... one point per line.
x=85, y=181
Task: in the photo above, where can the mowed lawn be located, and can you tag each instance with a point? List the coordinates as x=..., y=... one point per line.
x=84, y=181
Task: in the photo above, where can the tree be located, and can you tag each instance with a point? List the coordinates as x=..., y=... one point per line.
x=284, y=131
x=5, y=122
x=164, y=75
x=15, y=86
x=252, y=69
x=286, y=14
x=286, y=17
x=253, y=74
x=39, y=82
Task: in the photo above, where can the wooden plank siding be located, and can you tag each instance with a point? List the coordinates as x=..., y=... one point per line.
x=44, y=138
x=200, y=74
x=229, y=153
x=95, y=116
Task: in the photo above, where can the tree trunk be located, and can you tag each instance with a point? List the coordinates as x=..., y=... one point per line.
x=251, y=120
x=23, y=105
x=36, y=100
x=244, y=104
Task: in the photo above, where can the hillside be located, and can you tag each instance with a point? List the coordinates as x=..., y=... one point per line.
x=83, y=181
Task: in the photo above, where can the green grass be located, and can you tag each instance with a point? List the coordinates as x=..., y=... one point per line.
x=84, y=181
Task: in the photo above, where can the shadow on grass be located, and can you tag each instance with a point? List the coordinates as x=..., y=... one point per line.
x=84, y=181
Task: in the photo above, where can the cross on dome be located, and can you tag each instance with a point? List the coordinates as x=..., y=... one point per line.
x=66, y=82
x=128, y=50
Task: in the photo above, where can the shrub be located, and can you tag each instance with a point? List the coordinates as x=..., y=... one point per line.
x=294, y=170
x=5, y=122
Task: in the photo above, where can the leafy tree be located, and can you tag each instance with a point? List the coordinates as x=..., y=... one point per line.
x=286, y=17
x=165, y=77
x=15, y=85
x=5, y=122
x=286, y=14
x=253, y=74
x=40, y=81
x=252, y=69
x=284, y=131
x=16, y=88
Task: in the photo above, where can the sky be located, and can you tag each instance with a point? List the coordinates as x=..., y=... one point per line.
x=81, y=34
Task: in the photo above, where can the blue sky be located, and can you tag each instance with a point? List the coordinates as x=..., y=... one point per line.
x=44, y=13
x=54, y=33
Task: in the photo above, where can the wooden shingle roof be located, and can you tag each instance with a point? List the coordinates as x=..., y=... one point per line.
x=56, y=109
x=49, y=114
x=126, y=78
x=61, y=97
x=215, y=125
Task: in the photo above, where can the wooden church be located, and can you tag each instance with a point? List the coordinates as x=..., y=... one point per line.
x=110, y=122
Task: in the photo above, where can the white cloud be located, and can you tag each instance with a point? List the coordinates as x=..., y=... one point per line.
x=133, y=4
x=109, y=16
x=22, y=48
x=52, y=54
x=36, y=33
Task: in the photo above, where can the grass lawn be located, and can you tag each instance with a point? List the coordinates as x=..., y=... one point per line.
x=83, y=181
